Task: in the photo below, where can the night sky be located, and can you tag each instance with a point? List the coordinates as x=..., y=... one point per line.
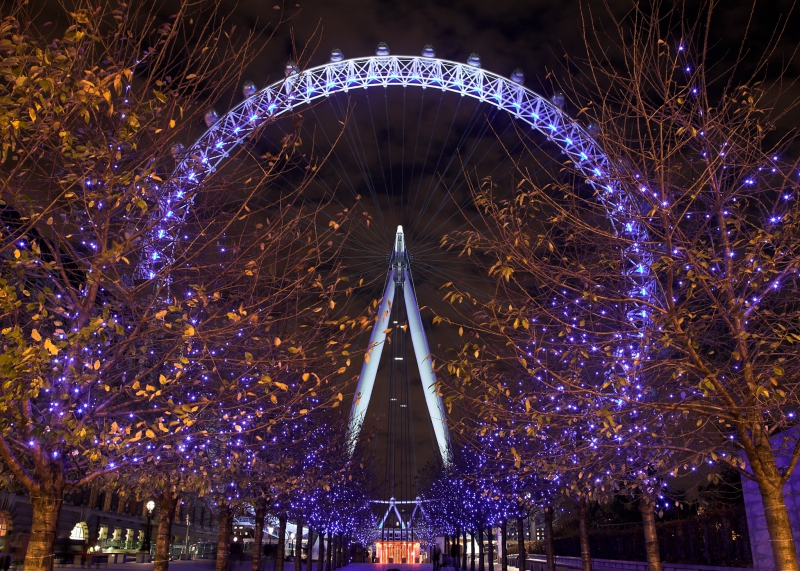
x=531, y=34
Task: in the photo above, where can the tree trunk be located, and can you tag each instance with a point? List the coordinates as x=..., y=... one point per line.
x=521, y=543
x=166, y=516
x=778, y=526
x=225, y=521
x=46, y=504
x=330, y=551
x=464, y=551
x=583, y=528
x=321, y=552
x=472, y=551
x=650, y=534
x=298, y=547
x=504, y=542
x=455, y=549
x=280, y=556
x=310, y=549
x=550, y=554
x=480, y=549
x=490, y=545
x=258, y=535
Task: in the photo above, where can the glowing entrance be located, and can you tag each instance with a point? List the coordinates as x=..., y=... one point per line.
x=397, y=552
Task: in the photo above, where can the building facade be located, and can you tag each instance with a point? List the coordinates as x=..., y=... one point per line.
x=95, y=520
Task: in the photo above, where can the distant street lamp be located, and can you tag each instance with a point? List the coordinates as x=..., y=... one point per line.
x=146, y=543
x=291, y=541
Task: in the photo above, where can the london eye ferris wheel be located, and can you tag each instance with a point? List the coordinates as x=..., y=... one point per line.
x=406, y=137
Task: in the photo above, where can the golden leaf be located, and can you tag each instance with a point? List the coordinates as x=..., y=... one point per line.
x=50, y=347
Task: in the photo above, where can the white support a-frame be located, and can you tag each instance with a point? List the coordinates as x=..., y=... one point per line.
x=399, y=275
x=392, y=507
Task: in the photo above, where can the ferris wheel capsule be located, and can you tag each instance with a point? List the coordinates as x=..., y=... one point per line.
x=382, y=49
x=474, y=59
x=428, y=51
x=248, y=88
x=336, y=55
x=290, y=68
x=558, y=99
x=176, y=150
x=517, y=76
x=211, y=117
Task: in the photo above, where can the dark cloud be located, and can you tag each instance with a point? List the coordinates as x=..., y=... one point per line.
x=507, y=33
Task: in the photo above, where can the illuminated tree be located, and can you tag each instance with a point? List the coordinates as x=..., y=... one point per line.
x=138, y=329
x=669, y=329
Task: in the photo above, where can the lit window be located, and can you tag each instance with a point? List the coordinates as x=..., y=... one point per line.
x=79, y=531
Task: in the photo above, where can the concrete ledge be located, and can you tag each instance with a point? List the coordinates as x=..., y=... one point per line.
x=537, y=563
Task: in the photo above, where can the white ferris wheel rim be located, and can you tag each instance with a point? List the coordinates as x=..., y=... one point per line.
x=301, y=88
x=304, y=87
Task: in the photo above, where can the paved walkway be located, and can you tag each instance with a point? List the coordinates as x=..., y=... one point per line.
x=388, y=566
x=208, y=565
x=195, y=565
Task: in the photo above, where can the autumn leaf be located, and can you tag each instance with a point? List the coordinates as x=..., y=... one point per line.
x=50, y=347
